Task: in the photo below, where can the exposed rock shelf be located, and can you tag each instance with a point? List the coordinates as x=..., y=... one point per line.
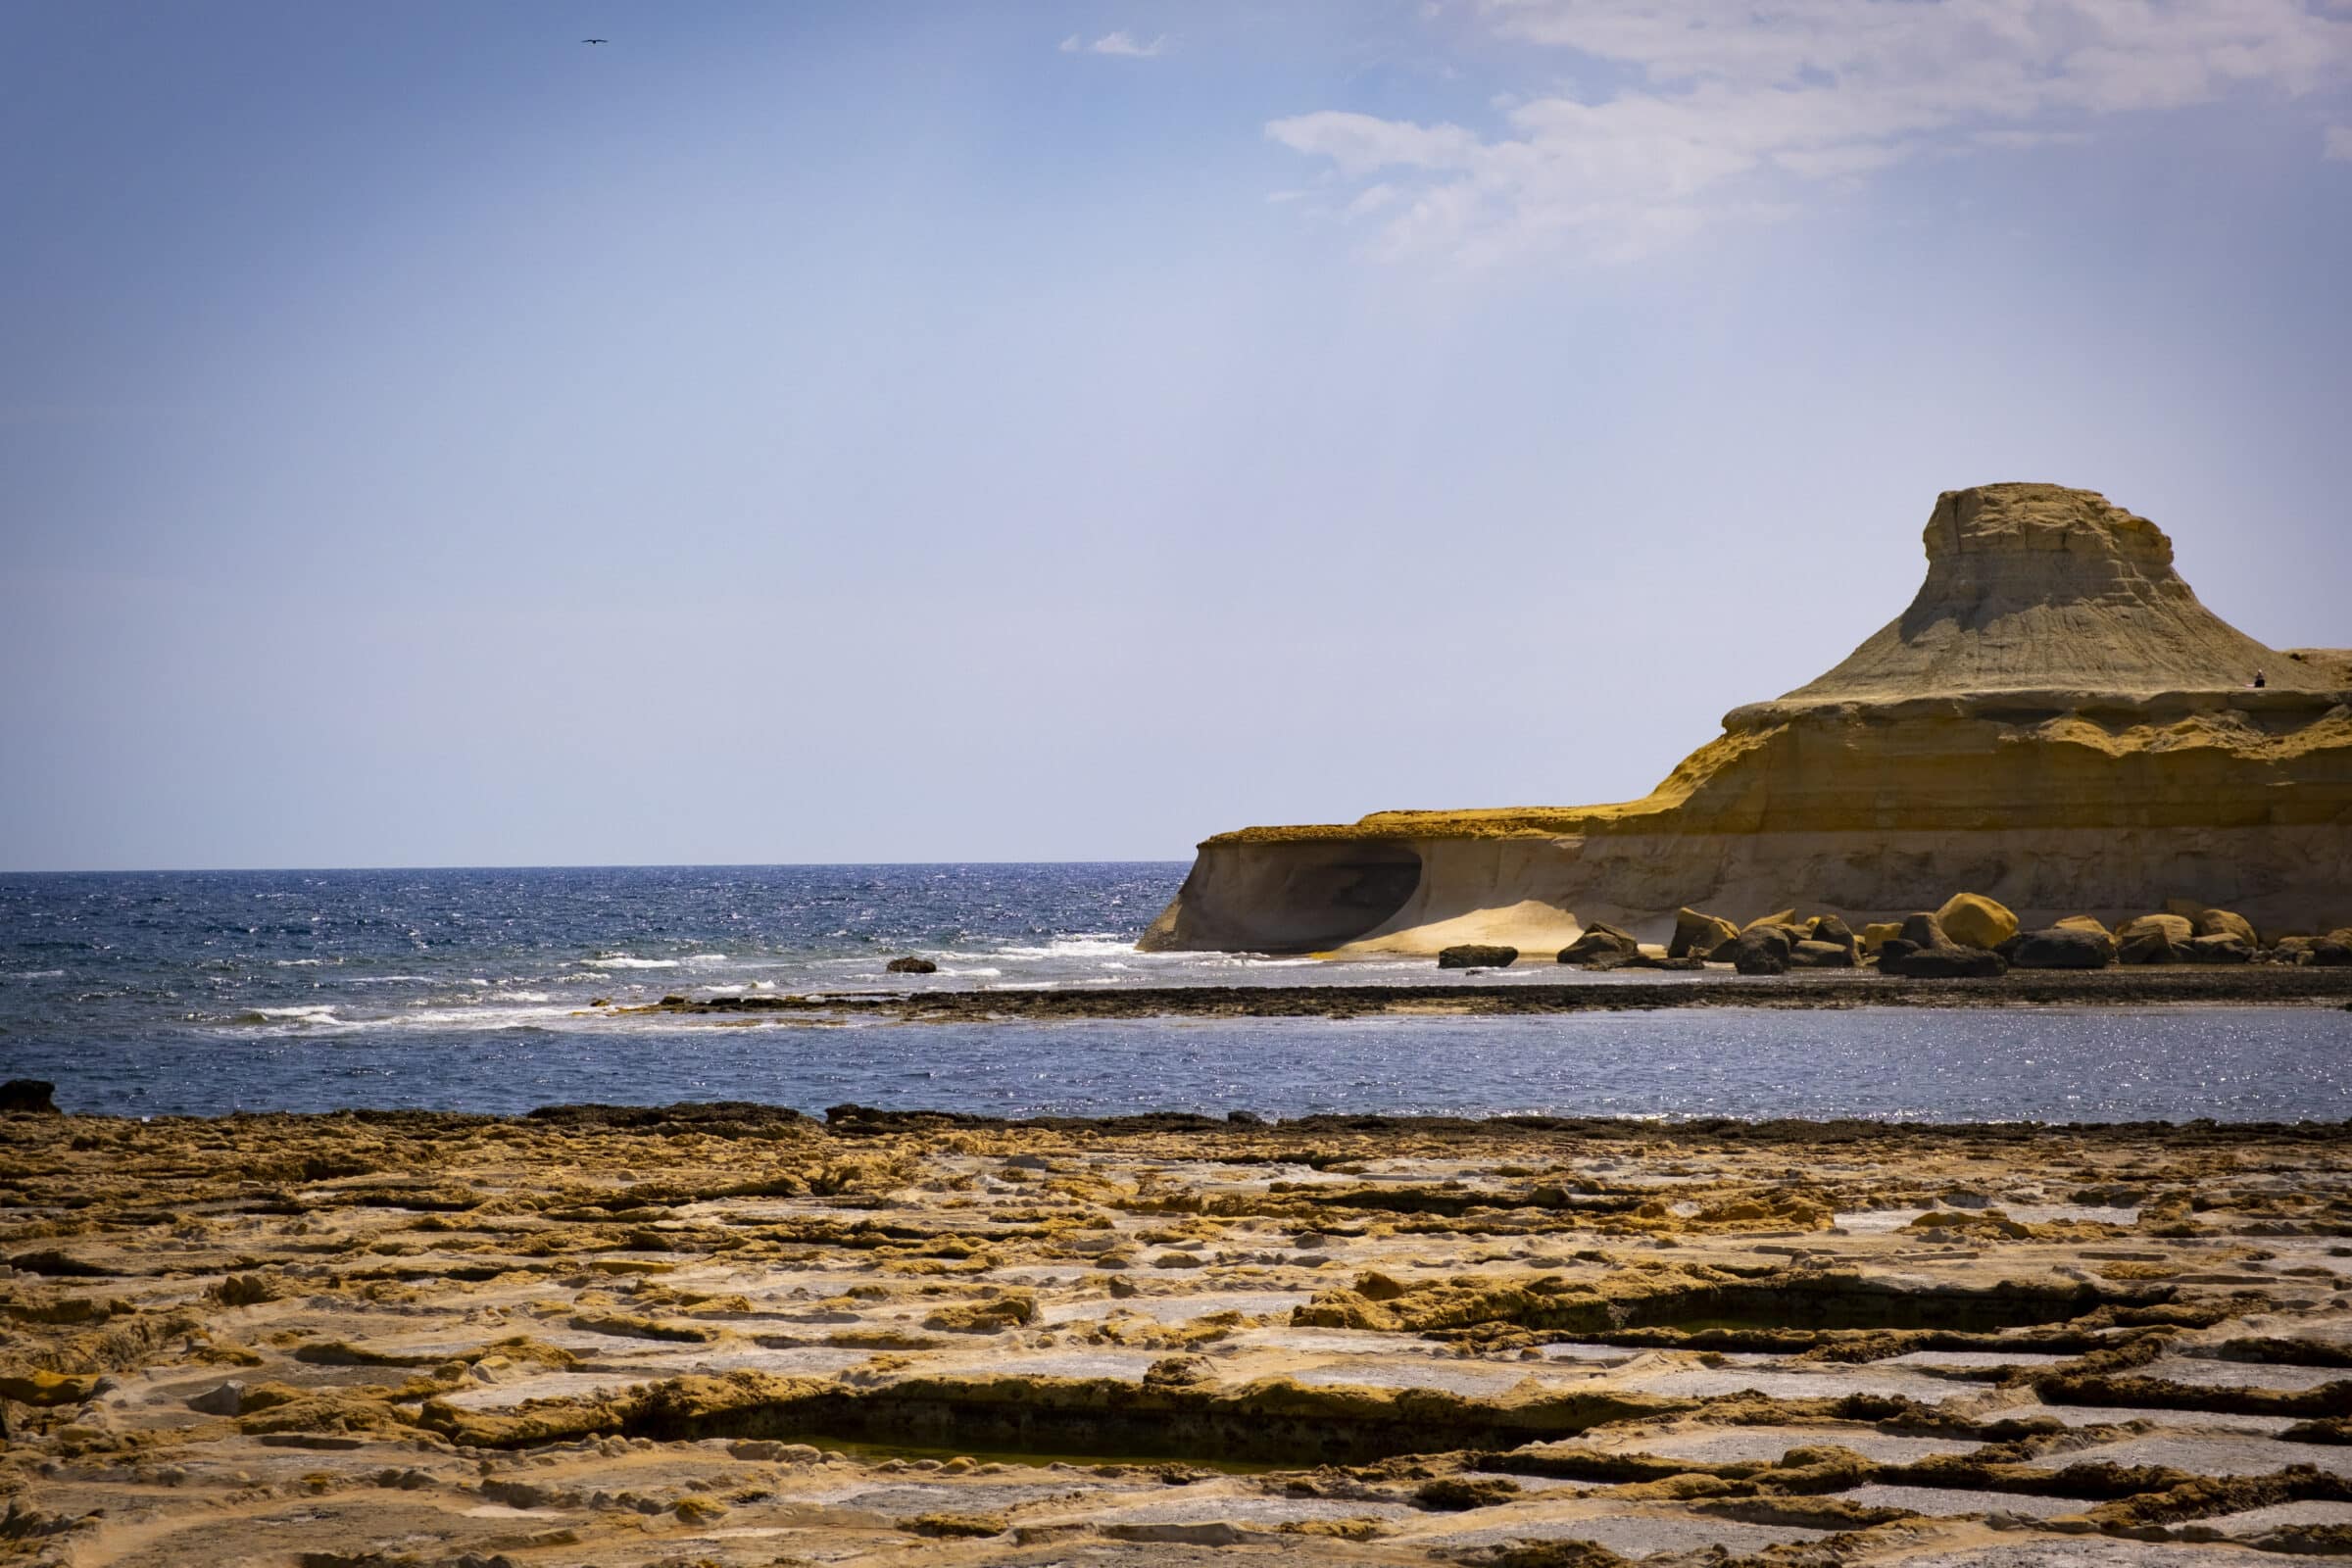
x=2056, y=721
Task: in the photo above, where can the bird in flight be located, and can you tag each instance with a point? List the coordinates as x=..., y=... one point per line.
x=596, y=40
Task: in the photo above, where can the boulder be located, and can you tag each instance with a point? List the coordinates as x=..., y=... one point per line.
x=2334, y=951
x=1926, y=952
x=2153, y=944
x=1778, y=917
x=2293, y=949
x=1829, y=928
x=1600, y=941
x=1976, y=921
x=1877, y=931
x=1954, y=963
x=29, y=1095
x=1760, y=949
x=1646, y=959
x=911, y=964
x=2223, y=923
x=1812, y=954
x=1696, y=933
x=1478, y=955
x=2082, y=922
x=2176, y=929
x=2062, y=948
x=2220, y=947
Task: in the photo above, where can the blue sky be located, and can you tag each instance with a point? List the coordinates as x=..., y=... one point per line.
x=901, y=432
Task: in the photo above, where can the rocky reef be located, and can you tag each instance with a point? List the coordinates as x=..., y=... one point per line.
x=2055, y=720
x=730, y=1336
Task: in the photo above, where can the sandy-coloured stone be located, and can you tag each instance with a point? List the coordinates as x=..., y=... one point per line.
x=1696, y=933
x=2224, y=924
x=1976, y=921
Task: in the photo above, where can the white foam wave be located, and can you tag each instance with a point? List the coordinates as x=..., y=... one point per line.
x=707, y=958
x=520, y=995
x=623, y=960
x=297, y=963
x=37, y=974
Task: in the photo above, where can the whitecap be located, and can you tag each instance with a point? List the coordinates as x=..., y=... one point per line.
x=622, y=960
x=37, y=974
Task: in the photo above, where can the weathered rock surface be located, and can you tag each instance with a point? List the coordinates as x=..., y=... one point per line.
x=1477, y=955
x=613, y=1338
x=1760, y=949
x=910, y=965
x=2062, y=948
x=1926, y=951
x=2055, y=724
x=1696, y=933
x=1976, y=921
x=1600, y=942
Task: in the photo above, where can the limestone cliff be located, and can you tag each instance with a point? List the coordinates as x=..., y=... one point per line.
x=2056, y=721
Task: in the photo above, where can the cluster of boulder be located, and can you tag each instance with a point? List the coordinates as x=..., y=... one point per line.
x=1970, y=937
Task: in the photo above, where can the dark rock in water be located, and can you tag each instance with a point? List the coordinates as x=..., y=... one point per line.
x=2220, y=947
x=2059, y=948
x=911, y=964
x=1599, y=942
x=1761, y=950
x=1696, y=934
x=1651, y=960
x=1814, y=954
x=1924, y=952
x=1478, y=955
x=29, y=1095
x=1245, y=1118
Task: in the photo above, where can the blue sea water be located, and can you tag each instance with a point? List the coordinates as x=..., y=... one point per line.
x=200, y=993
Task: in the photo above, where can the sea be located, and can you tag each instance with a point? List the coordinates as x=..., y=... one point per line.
x=204, y=993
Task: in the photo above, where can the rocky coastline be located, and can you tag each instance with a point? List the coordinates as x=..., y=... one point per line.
x=732, y=1334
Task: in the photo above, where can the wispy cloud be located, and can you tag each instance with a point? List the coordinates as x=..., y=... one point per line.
x=2338, y=143
x=1115, y=43
x=1726, y=112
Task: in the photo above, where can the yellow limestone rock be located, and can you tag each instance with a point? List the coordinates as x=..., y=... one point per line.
x=1874, y=935
x=2055, y=722
x=1976, y=921
x=1776, y=917
x=1696, y=933
x=2223, y=923
x=2175, y=929
x=2083, y=922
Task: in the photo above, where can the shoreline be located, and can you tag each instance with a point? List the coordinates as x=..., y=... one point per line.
x=2261, y=986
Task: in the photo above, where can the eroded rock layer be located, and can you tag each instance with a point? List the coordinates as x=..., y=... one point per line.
x=732, y=1337
x=2056, y=721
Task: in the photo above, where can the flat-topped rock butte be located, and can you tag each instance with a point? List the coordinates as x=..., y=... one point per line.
x=2056, y=721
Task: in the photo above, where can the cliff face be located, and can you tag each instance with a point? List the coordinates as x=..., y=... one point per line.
x=2056, y=720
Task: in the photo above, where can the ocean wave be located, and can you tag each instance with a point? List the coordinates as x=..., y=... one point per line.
x=983, y=972
x=623, y=960
x=299, y=964
x=33, y=974
x=520, y=995
x=706, y=958
x=324, y=1014
x=1084, y=945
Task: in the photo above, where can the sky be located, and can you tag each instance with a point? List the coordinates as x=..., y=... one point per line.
x=841, y=432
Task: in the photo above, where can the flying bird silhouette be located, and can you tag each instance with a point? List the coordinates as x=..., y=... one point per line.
x=596, y=40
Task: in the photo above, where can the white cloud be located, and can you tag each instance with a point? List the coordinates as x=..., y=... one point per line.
x=2338, y=143
x=1114, y=43
x=1726, y=112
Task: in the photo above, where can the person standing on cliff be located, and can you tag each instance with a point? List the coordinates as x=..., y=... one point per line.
x=2259, y=680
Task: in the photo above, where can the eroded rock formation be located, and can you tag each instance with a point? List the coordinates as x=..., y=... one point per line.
x=2056, y=720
